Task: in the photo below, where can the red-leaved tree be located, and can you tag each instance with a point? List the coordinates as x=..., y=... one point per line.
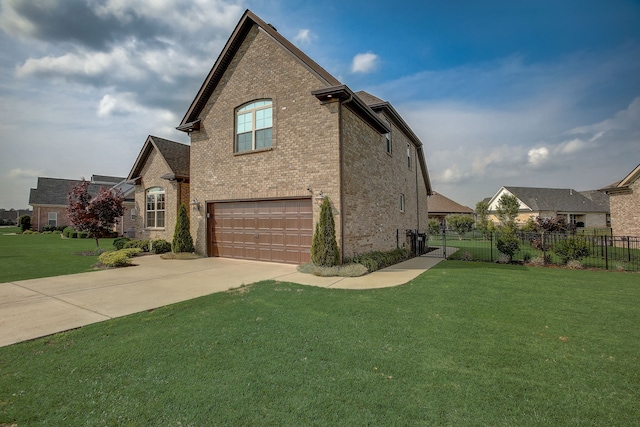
x=95, y=215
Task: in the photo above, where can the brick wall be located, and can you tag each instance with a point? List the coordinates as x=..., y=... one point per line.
x=304, y=153
x=625, y=211
x=373, y=182
x=153, y=169
x=40, y=216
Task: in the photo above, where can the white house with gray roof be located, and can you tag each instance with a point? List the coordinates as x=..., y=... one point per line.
x=581, y=209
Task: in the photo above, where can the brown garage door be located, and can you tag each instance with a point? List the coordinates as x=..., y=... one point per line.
x=264, y=230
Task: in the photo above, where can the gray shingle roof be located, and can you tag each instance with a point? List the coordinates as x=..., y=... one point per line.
x=176, y=155
x=53, y=191
x=555, y=199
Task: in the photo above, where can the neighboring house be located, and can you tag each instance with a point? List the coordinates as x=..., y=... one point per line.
x=440, y=206
x=272, y=133
x=161, y=178
x=11, y=216
x=578, y=209
x=624, y=197
x=49, y=199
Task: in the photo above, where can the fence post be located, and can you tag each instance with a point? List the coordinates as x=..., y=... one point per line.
x=606, y=253
x=491, y=246
x=629, y=248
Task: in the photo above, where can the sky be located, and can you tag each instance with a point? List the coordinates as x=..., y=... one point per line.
x=542, y=93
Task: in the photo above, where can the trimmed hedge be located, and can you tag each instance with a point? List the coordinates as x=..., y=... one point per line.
x=160, y=246
x=120, y=258
x=378, y=260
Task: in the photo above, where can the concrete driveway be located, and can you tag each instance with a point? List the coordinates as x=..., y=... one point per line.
x=35, y=308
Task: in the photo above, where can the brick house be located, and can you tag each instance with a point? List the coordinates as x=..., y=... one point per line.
x=161, y=178
x=582, y=209
x=272, y=133
x=49, y=200
x=624, y=197
x=440, y=206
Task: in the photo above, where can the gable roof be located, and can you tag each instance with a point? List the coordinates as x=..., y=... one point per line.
x=53, y=191
x=247, y=21
x=175, y=155
x=599, y=197
x=551, y=199
x=438, y=203
x=623, y=185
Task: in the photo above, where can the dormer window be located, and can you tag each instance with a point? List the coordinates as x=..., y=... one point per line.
x=254, y=125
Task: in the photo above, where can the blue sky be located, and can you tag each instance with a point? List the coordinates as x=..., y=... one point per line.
x=530, y=93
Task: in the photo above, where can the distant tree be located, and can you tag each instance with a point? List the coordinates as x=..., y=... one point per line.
x=460, y=224
x=507, y=210
x=24, y=222
x=434, y=226
x=182, y=241
x=324, y=248
x=95, y=215
x=482, y=217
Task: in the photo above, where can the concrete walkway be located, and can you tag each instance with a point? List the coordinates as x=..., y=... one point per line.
x=35, y=308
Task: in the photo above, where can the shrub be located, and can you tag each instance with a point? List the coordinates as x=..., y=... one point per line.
x=118, y=258
x=160, y=246
x=377, y=260
x=49, y=228
x=537, y=261
x=141, y=244
x=467, y=256
x=508, y=243
x=434, y=227
x=120, y=242
x=82, y=234
x=66, y=232
x=182, y=241
x=324, y=248
x=73, y=234
x=24, y=222
x=572, y=249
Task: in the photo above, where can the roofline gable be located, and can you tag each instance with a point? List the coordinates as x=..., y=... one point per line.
x=236, y=39
x=148, y=145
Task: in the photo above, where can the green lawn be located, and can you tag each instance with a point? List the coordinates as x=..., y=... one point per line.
x=463, y=344
x=29, y=256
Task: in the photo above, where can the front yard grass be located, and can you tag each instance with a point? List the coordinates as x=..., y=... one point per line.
x=30, y=256
x=462, y=344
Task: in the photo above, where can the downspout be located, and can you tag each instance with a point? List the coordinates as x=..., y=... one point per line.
x=340, y=177
x=417, y=195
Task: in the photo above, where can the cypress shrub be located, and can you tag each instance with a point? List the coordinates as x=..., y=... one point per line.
x=24, y=222
x=324, y=248
x=182, y=241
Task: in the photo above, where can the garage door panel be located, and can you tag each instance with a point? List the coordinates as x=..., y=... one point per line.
x=268, y=230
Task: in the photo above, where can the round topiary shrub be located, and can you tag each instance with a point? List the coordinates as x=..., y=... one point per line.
x=160, y=246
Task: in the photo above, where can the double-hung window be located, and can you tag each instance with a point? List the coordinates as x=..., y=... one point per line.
x=254, y=125
x=52, y=219
x=155, y=207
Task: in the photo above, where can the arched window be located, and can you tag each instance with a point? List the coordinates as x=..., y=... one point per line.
x=254, y=123
x=155, y=207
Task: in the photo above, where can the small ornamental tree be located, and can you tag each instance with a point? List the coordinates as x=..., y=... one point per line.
x=460, y=224
x=95, y=215
x=482, y=213
x=24, y=222
x=507, y=210
x=182, y=241
x=324, y=248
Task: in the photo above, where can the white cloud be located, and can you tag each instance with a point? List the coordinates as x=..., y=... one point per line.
x=538, y=155
x=573, y=146
x=364, y=63
x=24, y=173
x=304, y=36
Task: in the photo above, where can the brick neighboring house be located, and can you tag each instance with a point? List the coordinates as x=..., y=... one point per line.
x=272, y=133
x=440, y=206
x=49, y=200
x=624, y=197
x=161, y=178
x=582, y=209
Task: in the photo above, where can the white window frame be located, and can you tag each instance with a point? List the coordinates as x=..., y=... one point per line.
x=155, y=204
x=52, y=216
x=250, y=119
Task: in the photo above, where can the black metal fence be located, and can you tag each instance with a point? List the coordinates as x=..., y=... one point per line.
x=584, y=250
